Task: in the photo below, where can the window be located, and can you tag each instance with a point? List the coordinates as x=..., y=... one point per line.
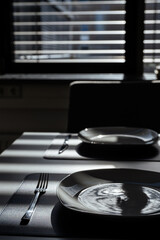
x=72, y=36
x=152, y=35
x=69, y=31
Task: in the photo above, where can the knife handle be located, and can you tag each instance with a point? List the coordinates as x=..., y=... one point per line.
x=65, y=144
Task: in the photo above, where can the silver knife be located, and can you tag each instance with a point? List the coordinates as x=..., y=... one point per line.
x=65, y=144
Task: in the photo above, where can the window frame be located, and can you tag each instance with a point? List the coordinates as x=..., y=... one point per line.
x=133, y=65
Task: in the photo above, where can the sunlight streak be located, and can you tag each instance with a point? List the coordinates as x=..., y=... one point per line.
x=57, y=168
x=7, y=187
x=32, y=142
x=22, y=153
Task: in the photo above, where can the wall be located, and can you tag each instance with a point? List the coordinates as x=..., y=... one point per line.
x=32, y=107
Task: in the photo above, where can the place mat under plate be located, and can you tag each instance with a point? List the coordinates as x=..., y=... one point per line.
x=52, y=219
x=40, y=223
x=85, y=151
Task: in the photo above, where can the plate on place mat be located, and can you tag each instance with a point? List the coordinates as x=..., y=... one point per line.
x=119, y=136
x=112, y=192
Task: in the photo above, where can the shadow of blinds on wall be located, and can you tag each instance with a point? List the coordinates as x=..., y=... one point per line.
x=152, y=35
x=63, y=31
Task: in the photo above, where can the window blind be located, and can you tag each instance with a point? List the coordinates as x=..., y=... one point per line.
x=62, y=31
x=152, y=35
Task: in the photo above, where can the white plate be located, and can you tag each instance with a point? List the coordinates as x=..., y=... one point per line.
x=118, y=136
x=112, y=192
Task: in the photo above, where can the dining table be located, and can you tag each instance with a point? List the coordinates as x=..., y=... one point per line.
x=34, y=153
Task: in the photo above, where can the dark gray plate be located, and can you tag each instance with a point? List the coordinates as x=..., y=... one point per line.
x=118, y=136
x=112, y=192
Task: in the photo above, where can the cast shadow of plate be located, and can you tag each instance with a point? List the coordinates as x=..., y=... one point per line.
x=70, y=223
x=105, y=152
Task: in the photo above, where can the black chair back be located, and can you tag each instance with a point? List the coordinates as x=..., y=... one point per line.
x=115, y=103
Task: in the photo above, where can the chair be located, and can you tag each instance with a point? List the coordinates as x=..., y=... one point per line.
x=114, y=103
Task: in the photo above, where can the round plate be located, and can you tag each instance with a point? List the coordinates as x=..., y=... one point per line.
x=119, y=136
x=112, y=192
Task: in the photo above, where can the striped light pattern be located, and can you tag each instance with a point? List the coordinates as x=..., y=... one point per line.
x=69, y=31
x=152, y=34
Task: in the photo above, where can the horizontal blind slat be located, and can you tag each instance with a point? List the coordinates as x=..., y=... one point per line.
x=71, y=51
x=110, y=60
x=122, y=32
x=72, y=42
x=43, y=3
x=69, y=13
x=70, y=23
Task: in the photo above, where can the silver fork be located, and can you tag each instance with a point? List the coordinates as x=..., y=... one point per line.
x=40, y=189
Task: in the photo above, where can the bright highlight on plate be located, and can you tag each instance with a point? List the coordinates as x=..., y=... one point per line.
x=112, y=192
x=120, y=199
x=119, y=136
